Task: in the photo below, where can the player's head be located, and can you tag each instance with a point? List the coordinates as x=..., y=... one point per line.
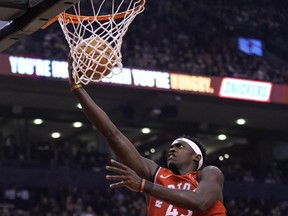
x=186, y=153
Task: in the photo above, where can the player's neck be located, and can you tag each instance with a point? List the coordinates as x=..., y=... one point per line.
x=184, y=171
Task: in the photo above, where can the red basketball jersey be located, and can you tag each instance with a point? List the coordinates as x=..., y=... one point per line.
x=166, y=178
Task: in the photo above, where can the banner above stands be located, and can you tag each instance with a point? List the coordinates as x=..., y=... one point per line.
x=224, y=87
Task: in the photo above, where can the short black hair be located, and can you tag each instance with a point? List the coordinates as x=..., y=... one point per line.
x=199, y=144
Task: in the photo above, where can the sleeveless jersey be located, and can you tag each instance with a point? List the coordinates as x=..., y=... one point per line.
x=188, y=181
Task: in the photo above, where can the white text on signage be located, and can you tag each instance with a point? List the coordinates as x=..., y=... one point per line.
x=245, y=89
x=38, y=67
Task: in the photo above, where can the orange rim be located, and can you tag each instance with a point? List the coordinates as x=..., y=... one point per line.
x=71, y=18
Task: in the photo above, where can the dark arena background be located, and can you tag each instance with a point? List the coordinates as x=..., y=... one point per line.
x=216, y=70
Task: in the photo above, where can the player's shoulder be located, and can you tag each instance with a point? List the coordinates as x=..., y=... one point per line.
x=210, y=171
x=164, y=170
x=210, y=168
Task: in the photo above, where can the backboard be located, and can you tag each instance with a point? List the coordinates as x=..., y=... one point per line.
x=20, y=18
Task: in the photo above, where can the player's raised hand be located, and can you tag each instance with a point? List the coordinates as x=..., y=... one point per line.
x=126, y=177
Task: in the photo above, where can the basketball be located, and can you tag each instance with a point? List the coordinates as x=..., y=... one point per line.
x=96, y=58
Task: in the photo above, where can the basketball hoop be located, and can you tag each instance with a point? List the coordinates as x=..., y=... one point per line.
x=94, y=30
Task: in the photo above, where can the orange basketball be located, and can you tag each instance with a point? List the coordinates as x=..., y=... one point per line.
x=96, y=58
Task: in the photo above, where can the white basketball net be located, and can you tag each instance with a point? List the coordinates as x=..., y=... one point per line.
x=94, y=30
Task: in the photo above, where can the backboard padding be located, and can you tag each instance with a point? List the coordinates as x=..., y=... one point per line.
x=29, y=20
x=8, y=13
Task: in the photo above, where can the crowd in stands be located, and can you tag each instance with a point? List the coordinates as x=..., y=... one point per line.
x=18, y=200
x=45, y=155
x=76, y=202
x=203, y=40
x=261, y=18
x=68, y=201
x=86, y=157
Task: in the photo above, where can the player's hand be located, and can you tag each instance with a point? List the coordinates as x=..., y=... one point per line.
x=126, y=177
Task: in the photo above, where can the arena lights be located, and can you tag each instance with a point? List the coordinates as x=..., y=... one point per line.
x=222, y=158
x=55, y=135
x=77, y=124
x=222, y=137
x=152, y=150
x=241, y=121
x=38, y=121
x=226, y=156
x=79, y=106
x=145, y=130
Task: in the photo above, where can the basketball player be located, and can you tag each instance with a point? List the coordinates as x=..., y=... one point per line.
x=187, y=188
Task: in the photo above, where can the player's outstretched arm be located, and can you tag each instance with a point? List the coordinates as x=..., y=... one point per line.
x=209, y=189
x=120, y=145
